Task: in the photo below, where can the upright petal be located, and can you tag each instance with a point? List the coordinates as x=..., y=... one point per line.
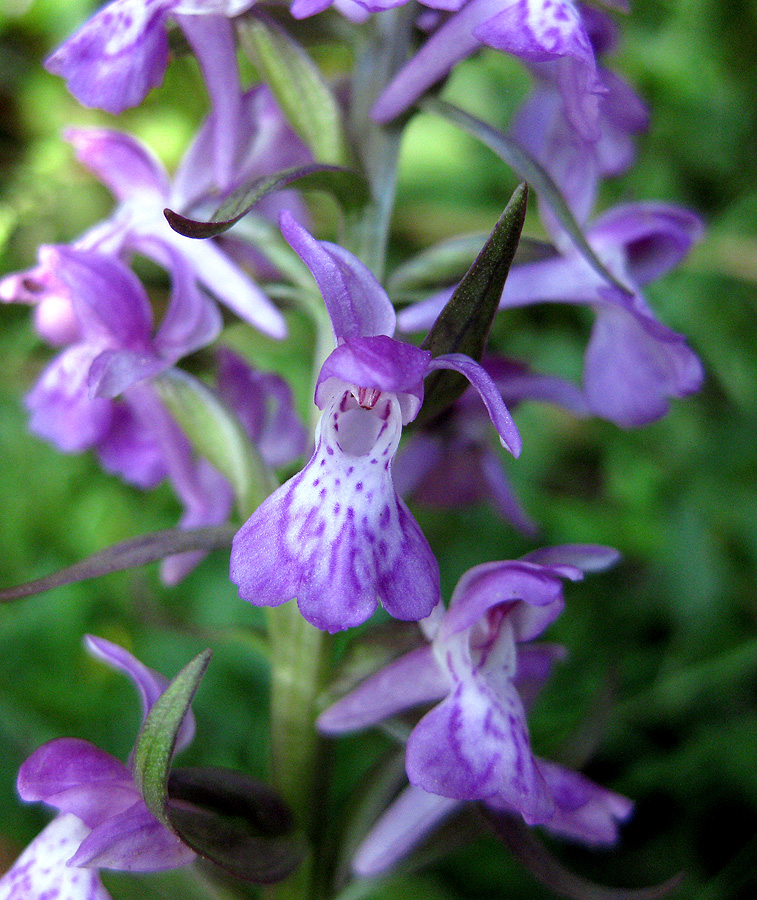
x=357, y=304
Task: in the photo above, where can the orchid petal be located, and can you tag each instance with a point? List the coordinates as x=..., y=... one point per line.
x=586, y=557
x=336, y=536
x=357, y=304
x=61, y=408
x=132, y=841
x=482, y=382
x=41, y=869
x=117, y=57
x=413, y=815
x=474, y=746
x=121, y=162
x=76, y=777
x=408, y=681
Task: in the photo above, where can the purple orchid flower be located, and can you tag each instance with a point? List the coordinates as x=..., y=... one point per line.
x=121, y=53
x=577, y=162
x=542, y=32
x=103, y=821
x=633, y=363
x=96, y=393
x=454, y=463
x=336, y=536
x=474, y=744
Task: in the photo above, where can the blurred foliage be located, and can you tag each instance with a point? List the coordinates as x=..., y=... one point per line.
x=657, y=697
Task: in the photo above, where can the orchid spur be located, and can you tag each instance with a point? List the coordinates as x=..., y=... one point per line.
x=336, y=536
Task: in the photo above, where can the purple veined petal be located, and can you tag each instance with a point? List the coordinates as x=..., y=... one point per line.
x=584, y=811
x=475, y=746
x=120, y=161
x=377, y=364
x=132, y=841
x=212, y=40
x=633, y=365
x=41, y=870
x=226, y=281
x=117, y=57
x=497, y=583
x=110, y=303
x=586, y=557
x=452, y=42
x=356, y=302
x=482, y=382
x=61, y=409
x=76, y=777
x=412, y=816
x=654, y=237
x=412, y=679
x=336, y=536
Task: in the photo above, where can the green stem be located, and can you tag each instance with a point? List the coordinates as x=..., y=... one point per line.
x=378, y=60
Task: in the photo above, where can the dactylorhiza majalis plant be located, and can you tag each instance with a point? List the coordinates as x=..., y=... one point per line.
x=392, y=422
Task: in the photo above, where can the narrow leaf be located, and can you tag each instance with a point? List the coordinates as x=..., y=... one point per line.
x=463, y=325
x=347, y=186
x=546, y=868
x=239, y=824
x=297, y=84
x=155, y=744
x=218, y=436
x=531, y=171
x=129, y=554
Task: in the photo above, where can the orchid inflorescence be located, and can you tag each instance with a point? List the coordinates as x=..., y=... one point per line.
x=337, y=538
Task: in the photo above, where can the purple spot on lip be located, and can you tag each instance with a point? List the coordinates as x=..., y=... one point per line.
x=330, y=451
x=359, y=486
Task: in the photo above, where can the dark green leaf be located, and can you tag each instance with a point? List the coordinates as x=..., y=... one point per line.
x=239, y=824
x=129, y=554
x=546, y=868
x=463, y=325
x=529, y=169
x=155, y=744
x=347, y=185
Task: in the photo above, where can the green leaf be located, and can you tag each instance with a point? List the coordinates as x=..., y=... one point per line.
x=297, y=84
x=464, y=324
x=239, y=824
x=129, y=554
x=347, y=186
x=218, y=436
x=531, y=171
x=152, y=754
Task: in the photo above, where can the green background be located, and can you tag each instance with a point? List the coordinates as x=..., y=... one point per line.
x=658, y=694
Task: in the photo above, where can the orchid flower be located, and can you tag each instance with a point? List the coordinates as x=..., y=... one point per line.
x=633, y=363
x=537, y=31
x=474, y=745
x=336, y=536
x=121, y=53
x=103, y=821
x=575, y=162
